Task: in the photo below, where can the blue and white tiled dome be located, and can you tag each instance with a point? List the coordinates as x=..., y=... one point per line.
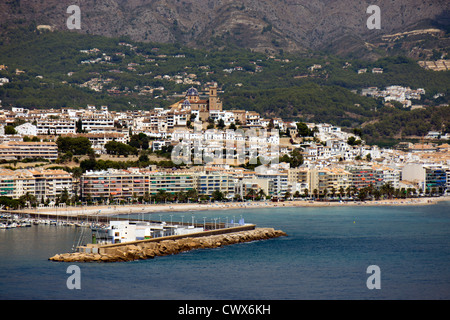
x=192, y=92
x=186, y=104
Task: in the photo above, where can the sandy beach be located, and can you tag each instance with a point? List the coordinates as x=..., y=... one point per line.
x=108, y=210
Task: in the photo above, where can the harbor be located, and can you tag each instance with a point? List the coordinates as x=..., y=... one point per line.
x=11, y=220
x=98, y=222
x=125, y=240
x=169, y=245
x=119, y=238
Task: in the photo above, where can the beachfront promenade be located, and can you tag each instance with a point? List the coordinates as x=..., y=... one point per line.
x=112, y=210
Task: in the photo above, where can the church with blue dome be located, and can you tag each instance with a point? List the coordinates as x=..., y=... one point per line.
x=203, y=105
x=192, y=92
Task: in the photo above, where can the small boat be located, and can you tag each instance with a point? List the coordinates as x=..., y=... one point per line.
x=11, y=225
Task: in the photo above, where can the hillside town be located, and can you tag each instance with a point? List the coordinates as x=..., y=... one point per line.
x=404, y=95
x=227, y=155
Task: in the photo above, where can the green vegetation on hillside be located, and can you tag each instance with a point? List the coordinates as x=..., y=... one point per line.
x=309, y=102
x=404, y=124
x=283, y=86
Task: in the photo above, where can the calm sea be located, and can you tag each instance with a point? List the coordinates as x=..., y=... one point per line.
x=325, y=256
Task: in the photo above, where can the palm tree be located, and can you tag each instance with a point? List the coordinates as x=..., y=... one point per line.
x=30, y=198
x=146, y=196
x=403, y=193
x=349, y=191
x=388, y=190
x=316, y=193
x=181, y=196
x=192, y=194
x=354, y=190
x=64, y=196
x=287, y=195
x=217, y=195
x=306, y=192
x=162, y=195
x=261, y=194
x=251, y=194
x=341, y=191
x=370, y=189
x=362, y=194
x=325, y=193
x=110, y=199
x=333, y=192
x=377, y=194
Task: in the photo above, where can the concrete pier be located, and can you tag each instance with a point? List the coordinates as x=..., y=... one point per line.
x=147, y=249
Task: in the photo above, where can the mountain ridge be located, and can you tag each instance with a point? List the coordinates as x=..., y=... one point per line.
x=264, y=25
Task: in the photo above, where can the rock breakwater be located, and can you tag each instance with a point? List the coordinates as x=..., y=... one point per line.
x=148, y=250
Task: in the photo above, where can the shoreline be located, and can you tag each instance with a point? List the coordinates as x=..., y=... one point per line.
x=111, y=210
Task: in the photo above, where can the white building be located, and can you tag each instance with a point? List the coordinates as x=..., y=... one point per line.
x=413, y=172
x=27, y=129
x=279, y=179
x=97, y=123
x=121, y=231
x=127, y=231
x=56, y=126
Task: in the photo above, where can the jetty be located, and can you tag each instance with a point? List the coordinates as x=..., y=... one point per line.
x=168, y=245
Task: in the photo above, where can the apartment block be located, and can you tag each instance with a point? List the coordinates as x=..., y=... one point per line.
x=298, y=175
x=17, y=150
x=243, y=186
x=426, y=176
x=329, y=179
x=435, y=179
x=279, y=182
x=12, y=182
x=126, y=184
x=387, y=175
x=363, y=176
x=51, y=183
x=209, y=183
x=56, y=126
x=43, y=184
x=96, y=123
x=337, y=178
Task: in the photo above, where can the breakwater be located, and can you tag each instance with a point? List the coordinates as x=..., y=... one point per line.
x=147, y=249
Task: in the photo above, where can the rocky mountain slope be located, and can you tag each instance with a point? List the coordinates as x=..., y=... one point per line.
x=262, y=25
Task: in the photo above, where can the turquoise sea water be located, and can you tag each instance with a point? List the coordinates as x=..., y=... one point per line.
x=325, y=256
